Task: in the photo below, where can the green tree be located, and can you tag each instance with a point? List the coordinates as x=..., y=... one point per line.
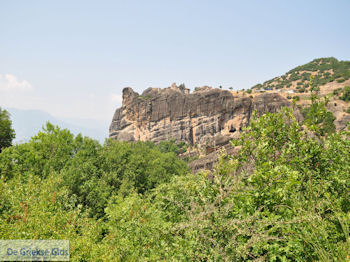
x=182, y=86
x=48, y=151
x=7, y=134
x=172, y=146
x=317, y=117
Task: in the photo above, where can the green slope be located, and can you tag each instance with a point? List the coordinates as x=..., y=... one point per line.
x=325, y=70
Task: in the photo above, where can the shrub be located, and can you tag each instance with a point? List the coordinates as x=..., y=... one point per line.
x=182, y=86
x=317, y=118
x=315, y=89
x=337, y=91
x=346, y=94
x=296, y=98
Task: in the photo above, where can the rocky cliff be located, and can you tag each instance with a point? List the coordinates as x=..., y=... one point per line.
x=207, y=117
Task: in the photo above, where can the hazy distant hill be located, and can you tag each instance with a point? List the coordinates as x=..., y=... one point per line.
x=28, y=122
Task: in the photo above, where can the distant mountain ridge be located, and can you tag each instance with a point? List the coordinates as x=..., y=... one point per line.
x=28, y=123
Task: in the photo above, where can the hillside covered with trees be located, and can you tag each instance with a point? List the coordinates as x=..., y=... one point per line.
x=328, y=78
x=324, y=70
x=283, y=197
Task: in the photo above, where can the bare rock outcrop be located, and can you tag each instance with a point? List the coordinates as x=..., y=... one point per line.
x=207, y=117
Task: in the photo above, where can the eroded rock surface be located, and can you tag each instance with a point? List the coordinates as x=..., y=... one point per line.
x=207, y=117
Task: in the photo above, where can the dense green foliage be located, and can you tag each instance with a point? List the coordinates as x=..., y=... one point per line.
x=283, y=197
x=172, y=146
x=317, y=117
x=325, y=70
x=91, y=172
x=7, y=134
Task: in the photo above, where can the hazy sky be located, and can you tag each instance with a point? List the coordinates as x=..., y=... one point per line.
x=73, y=58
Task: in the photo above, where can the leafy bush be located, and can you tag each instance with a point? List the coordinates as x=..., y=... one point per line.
x=317, y=118
x=32, y=207
x=337, y=91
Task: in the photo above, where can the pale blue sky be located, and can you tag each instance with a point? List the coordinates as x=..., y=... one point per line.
x=73, y=58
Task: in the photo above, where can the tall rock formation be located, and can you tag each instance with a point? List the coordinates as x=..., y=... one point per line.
x=207, y=117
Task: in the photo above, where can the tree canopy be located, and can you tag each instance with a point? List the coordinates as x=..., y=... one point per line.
x=7, y=134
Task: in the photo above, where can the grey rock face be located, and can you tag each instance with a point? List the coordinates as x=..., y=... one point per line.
x=207, y=117
x=342, y=122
